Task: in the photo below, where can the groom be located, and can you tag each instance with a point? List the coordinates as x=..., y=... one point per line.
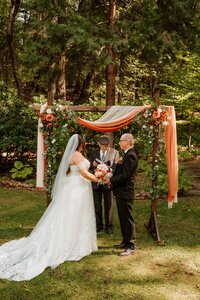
x=123, y=189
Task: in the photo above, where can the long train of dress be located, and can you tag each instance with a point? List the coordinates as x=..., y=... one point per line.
x=66, y=232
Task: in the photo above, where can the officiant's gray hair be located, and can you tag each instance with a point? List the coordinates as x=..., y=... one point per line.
x=129, y=137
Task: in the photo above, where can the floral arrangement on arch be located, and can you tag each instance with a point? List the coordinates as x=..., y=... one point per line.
x=153, y=123
x=54, y=125
x=159, y=116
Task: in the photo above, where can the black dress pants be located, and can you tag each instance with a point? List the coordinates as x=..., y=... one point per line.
x=127, y=224
x=103, y=196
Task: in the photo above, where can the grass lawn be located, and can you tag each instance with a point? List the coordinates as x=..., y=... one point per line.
x=169, y=272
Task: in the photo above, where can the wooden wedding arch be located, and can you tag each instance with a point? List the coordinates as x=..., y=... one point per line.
x=108, y=127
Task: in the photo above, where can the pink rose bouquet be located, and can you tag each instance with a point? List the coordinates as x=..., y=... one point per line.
x=103, y=172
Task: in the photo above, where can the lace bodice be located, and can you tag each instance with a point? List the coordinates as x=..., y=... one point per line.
x=76, y=168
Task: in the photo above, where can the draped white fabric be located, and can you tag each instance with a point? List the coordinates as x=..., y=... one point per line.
x=115, y=113
x=40, y=153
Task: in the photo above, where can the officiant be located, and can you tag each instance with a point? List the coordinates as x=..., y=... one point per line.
x=102, y=193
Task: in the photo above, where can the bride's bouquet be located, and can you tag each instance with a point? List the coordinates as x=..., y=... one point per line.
x=103, y=172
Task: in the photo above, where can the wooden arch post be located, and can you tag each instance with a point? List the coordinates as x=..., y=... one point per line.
x=152, y=225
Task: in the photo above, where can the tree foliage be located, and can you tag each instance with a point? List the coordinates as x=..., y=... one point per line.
x=61, y=50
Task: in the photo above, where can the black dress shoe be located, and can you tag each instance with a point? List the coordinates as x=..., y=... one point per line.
x=99, y=229
x=120, y=246
x=109, y=230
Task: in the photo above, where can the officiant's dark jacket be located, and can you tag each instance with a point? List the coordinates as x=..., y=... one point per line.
x=123, y=177
x=102, y=192
x=111, y=156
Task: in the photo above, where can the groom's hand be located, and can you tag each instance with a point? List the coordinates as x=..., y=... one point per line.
x=108, y=182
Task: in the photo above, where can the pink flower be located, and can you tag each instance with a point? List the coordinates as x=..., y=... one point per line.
x=49, y=118
x=156, y=114
x=156, y=123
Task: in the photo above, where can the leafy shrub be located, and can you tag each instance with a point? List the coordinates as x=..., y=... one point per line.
x=21, y=171
x=188, y=132
x=18, y=125
x=185, y=155
x=184, y=179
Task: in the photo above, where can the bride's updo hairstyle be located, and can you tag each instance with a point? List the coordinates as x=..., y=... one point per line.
x=81, y=142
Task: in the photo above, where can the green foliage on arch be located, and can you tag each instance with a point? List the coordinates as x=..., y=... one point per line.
x=58, y=124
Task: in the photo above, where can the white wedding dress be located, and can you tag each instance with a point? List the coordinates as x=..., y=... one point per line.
x=66, y=232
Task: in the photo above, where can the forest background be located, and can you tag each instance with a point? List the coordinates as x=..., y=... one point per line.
x=97, y=53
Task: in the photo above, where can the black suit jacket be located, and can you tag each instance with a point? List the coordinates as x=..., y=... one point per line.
x=123, y=177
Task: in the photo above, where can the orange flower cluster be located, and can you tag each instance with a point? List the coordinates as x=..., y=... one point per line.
x=47, y=119
x=160, y=116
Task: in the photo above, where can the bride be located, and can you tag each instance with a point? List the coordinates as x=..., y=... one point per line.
x=67, y=229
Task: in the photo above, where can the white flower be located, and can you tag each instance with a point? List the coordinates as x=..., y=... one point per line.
x=165, y=123
x=151, y=127
x=65, y=125
x=159, y=110
x=49, y=111
x=41, y=125
x=144, y=126
x=53, y=141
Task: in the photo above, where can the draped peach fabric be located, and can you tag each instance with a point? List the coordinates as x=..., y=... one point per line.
x=171, y=156
x=114, y=119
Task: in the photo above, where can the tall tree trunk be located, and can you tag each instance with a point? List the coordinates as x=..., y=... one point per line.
x=51, y=91
x=61, y=81
x=14, y=8
x=85, y=90
x=2, y=53
x=121, y=79
x=15, y=68
x=154, y=81
x=111, y=68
